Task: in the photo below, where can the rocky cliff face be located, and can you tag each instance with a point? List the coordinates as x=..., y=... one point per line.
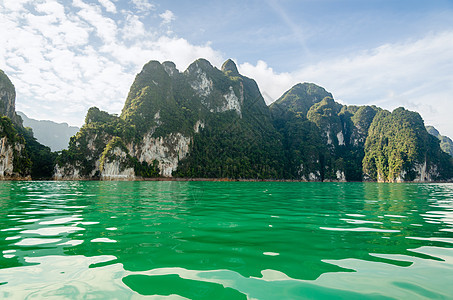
x=7, y=97
x=15, y=163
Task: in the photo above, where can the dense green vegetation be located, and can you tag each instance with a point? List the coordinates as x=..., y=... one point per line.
x=398, y=146
x=21, y=160
x=232, y=144
x=30, y=158
x=446, y=144
x=42, y=158
x=229, y=147
x=304, y=149
x=324, y=142
x=299, y=99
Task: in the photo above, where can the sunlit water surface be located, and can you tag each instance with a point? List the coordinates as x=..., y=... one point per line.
x=225, y=240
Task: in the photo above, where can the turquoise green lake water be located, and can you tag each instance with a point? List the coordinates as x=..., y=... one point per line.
x=225, y=240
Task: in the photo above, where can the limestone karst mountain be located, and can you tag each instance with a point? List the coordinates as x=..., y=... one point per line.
x=211, y=123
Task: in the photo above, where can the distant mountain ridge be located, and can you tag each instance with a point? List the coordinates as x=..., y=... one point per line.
x=49, y=133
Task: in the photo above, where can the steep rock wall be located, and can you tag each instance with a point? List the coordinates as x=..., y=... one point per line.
x=168, y=151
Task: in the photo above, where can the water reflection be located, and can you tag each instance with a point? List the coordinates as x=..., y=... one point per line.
x=268, y=238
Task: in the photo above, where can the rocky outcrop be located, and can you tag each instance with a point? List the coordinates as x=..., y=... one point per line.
x=115, y=162
x=14, y=161
x=6, y=158
x=167, y=150
x=7, y=97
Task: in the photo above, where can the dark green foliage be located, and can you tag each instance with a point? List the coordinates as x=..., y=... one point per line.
x=326, y=139
x=42, y=158
x=299, y=99
x=229, y=147
x=325, y=115
x=446, y=144
x=97, y=116
x=304, y=149
x=150, y=93
x=145, y=170
x=397, y=142
x=363, y=117
x=232, y=144
x=21, y=160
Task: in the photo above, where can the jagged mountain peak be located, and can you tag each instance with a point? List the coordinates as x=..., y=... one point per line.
x=7, y=97
x=200, y=63
x=432, y=130
x=299, y=99
x=230, y=66
x=151, y=65
x=170, y=68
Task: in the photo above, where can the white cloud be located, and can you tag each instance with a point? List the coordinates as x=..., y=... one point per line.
x=271, y=84
x=51, y=8
x=68, y=58
x=105, y=27
x=167, y=17
x=14, y=5
x=108, y=5
x=143, y=5
x=133, y=28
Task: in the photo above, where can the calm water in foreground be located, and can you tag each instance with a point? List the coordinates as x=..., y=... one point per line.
x=225, y=240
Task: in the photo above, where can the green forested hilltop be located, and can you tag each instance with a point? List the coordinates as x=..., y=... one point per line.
x=299, y=98
x=326, y=141
x=399, y=148
x=446, y=144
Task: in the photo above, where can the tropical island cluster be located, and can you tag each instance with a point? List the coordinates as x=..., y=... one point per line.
x=211, y=123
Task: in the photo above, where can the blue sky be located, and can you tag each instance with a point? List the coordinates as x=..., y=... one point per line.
x=65, y=56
